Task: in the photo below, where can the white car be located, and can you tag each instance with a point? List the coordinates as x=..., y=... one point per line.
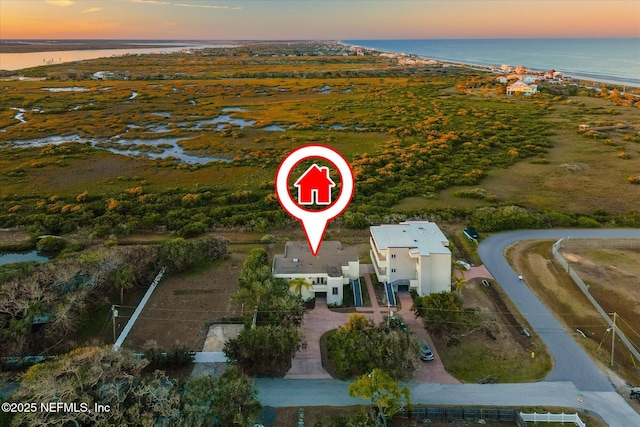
x=425, y=353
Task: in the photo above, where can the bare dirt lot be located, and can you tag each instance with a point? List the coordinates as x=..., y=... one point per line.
x=183, y=306
x=613, y=276
x=558, y=292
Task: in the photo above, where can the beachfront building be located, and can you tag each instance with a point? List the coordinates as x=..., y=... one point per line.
x=521, y=87
x=324, y=274
x=411, y=255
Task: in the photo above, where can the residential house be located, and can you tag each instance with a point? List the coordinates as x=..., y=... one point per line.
x=325, y=274
x=521, y=87
x=411, y=255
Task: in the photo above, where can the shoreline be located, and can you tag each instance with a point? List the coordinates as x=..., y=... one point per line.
x=52, y=46
x=576, y=77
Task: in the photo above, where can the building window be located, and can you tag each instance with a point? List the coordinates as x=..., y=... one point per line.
x=393, y=255
x=393, y=270
x=335, y=291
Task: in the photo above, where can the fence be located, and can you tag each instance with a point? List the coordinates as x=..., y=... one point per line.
x=471, y=414
x=601, y=243
x=585, y=290
x=136, y=313
x=487, y=415
x=553, y=418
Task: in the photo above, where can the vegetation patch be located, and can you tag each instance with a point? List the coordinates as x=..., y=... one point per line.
x=360, y=346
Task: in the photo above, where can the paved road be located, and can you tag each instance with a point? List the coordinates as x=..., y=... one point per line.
x=571, y=363
x=573, y=371
x=608, y=405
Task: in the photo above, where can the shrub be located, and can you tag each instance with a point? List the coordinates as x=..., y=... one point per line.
x=586, y=222
x=51, y=244
x=634, y=180
x=506, y=218
x=192, y=229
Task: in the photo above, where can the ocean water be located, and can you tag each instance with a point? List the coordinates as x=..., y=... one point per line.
x=614, y=60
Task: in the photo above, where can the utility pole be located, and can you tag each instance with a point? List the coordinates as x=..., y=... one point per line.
x=114, y=314
x=613, y=339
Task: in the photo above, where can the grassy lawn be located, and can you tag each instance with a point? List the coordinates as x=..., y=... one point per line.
x=475, y=358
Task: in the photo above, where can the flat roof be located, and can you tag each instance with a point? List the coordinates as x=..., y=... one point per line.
x=297, y=259
x=422, y=236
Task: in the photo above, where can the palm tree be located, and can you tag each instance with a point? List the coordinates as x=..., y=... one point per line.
x=459, y=282
x=298, y=284
x=124, y=279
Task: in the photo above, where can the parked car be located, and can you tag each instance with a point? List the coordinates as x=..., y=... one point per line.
x=635, y=393
x=471, y=234
x=425, y=353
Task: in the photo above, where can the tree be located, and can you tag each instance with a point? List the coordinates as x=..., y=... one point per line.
x=360, y=346
x=235, y=400
x=265, y=349
x=124, y=279
x=298, y=284
x=230, y=400
x=441, y=311
x=98, y=375
x=384, y=392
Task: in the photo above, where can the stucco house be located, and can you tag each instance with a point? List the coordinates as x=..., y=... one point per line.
x=411, y=255
x=326, y=273
x=521, y=87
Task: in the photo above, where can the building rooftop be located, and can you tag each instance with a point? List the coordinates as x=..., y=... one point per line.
x=421, y=237
x=297, y=259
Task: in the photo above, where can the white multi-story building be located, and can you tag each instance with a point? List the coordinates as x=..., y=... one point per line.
x=325, y=273
x=411, y=255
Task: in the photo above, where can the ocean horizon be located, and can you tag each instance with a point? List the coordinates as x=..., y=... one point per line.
x=608, y=60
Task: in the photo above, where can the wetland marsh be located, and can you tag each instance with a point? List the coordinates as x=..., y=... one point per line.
x=170, y=140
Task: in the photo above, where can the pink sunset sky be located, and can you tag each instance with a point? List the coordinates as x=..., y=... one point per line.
x=316, y=19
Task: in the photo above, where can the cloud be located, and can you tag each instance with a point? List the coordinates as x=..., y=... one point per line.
x=62, y=3
x=150, y=1
x=93, y=9
x=206, y=6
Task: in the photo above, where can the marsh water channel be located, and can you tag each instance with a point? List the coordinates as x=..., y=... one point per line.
x=164, y=146
x=13, y=257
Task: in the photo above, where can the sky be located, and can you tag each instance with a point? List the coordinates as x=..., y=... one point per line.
x=316, y=19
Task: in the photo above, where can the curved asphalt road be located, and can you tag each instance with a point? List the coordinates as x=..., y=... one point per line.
x=571, y=363
x=573, y=373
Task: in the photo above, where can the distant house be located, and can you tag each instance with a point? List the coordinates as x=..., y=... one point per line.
x=529, y=78
x=325, y=274
x=411, y=255
x=521, y=87
x=502, y=79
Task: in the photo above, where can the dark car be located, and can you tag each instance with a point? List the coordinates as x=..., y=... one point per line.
x=471, y=233
x=425, y=353
x=635, y=393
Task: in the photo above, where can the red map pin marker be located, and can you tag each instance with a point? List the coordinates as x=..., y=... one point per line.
x=314, y=185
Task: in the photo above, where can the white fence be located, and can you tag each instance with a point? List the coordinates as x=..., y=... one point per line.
x=136, y=313
x=585, y=290
x=553, y=418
